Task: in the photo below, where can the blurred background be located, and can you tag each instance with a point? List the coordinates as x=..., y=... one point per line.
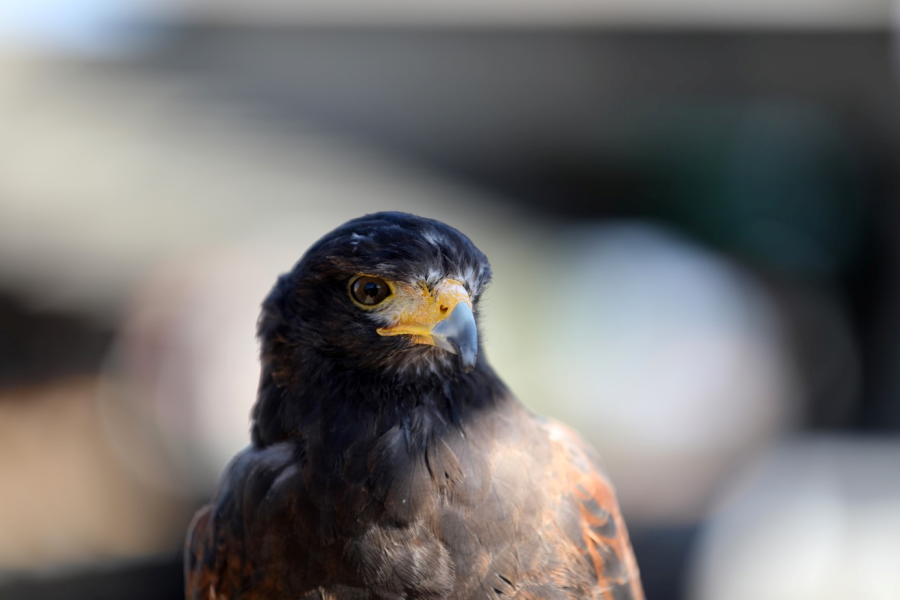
x=699, y=199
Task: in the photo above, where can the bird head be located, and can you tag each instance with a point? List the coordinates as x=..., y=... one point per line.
x=384, y=293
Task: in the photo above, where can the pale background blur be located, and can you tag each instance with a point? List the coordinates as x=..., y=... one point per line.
x=691, y=208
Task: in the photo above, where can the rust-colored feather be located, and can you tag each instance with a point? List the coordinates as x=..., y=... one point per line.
x=603, y=532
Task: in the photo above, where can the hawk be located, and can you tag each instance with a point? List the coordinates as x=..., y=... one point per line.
x=388, y=460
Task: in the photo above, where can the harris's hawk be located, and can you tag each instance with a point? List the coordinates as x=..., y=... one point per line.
x=388, y=460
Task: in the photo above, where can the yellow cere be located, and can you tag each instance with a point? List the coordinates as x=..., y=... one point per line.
x=417, y=310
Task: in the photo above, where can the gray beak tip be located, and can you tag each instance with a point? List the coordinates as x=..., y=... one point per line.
x=458, y=334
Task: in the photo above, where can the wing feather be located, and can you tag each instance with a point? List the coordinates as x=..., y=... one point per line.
x=237, y=545
x=603, y=536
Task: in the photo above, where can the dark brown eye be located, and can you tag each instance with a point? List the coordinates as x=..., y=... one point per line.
x=369, y=291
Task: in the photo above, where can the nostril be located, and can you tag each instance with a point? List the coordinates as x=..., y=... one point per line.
x=443, y=308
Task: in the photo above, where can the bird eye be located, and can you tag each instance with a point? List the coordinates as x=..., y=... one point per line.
x=369, y=291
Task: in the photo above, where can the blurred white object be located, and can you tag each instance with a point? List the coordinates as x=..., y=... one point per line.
x=670, y=360
x=817, y=519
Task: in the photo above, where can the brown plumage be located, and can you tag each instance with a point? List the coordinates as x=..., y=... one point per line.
x=388, y=459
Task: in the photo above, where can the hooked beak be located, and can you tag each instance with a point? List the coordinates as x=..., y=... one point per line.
x=441, y=317
x=458, y=334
